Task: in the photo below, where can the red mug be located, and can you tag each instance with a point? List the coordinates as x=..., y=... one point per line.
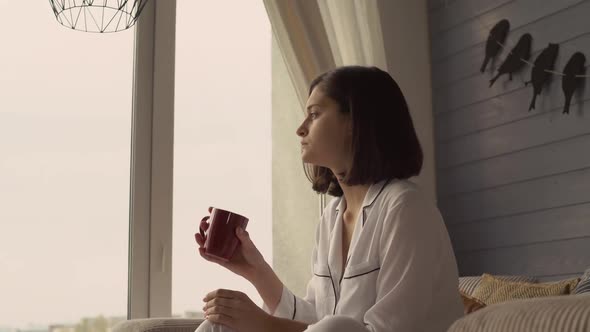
x=220, y=238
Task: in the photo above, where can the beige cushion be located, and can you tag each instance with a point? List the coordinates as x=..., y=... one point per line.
x=494, y=290
x=158, y=325
x=467, y=284
x=470, y=304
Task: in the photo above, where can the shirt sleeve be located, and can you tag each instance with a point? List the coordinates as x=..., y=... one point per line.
x=409, y=250
x=296, y=308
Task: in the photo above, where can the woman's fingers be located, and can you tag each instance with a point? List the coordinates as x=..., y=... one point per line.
x=203, y=254
x=217, y=310
x=220, y=319
x=219, y=302
x=215, y=259
x=224, y=294
x=211, y=258
x=244, y=237
x=220, y=310
x=204, y=224
x=200, y=240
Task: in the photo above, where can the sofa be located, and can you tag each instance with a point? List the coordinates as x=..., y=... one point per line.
x=567, y=312
x=561, y=313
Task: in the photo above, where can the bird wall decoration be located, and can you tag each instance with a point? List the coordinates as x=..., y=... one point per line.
x=513, y=62
x=542, y=70
x=574, y=68
x=540, y=75
x=495, y=41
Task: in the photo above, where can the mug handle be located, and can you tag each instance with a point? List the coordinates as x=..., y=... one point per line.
x=203, y=232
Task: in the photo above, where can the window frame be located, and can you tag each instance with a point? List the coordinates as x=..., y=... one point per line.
x=151, y=180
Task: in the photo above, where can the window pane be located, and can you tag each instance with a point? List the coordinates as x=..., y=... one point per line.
x=65, y=127
x=222, y=137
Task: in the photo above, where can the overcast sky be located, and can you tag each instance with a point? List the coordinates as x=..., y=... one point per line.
x=65, y=122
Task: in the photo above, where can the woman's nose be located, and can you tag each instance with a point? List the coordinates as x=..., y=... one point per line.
x=301, y=131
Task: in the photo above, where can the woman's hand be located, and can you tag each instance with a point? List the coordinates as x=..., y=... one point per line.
x=246, y=261
x=235, y=310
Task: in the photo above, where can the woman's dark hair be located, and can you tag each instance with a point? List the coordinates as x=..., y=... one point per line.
x=384, y=142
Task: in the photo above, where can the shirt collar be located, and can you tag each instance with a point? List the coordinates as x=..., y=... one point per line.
x=374, y=190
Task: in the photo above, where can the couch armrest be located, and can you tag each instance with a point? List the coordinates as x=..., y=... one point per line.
x=548, y=314
x=158, y=325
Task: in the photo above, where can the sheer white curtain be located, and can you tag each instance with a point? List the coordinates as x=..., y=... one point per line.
x=318, y=35
x=354, y=32
x=299, y=30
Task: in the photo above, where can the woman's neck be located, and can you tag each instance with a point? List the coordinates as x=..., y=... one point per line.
x=354, y=196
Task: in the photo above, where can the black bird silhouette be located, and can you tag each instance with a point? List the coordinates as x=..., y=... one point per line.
x=569, y=84
x=539, y=75
x=513, y=62
x=497, y=35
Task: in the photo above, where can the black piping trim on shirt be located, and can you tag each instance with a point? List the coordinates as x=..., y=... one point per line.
x=364, y=216
x=342, y=276
x=379, y=193
x=362, y=274
x=294, y=307
x=334, y=288
x=319, y=275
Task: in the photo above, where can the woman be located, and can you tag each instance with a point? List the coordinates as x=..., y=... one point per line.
x=382, y=259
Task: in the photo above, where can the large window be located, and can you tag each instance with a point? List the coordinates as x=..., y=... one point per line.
x=65, y=146
x=222, y=137
x=65, y=124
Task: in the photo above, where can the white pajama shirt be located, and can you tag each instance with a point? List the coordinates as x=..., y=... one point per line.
x=401, y=274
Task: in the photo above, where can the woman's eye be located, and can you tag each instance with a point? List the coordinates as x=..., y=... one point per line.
x=313, y=115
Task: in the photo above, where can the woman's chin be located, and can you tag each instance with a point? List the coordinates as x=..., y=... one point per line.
x=305, y=157
x=312, y=162
x=309, y=159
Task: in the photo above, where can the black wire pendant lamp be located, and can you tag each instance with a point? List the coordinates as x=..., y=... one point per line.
x=99, y=16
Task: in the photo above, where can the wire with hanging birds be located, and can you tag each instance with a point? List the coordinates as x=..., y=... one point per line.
x=542, y=67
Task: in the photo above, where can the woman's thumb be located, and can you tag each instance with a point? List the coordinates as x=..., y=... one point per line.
x=242, y=235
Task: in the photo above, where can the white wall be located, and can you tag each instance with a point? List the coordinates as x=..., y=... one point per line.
x=406, y=41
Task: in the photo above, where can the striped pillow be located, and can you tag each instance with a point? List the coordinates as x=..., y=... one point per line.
x=584, y=285
x=545, y=314
x=469, y=283
x=494, y=290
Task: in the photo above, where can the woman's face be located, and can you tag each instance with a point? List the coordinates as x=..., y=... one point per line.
x=325, y=133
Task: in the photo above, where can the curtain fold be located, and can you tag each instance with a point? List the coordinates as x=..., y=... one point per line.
x=318, y=35
x=354, y=32
x=300, y=33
